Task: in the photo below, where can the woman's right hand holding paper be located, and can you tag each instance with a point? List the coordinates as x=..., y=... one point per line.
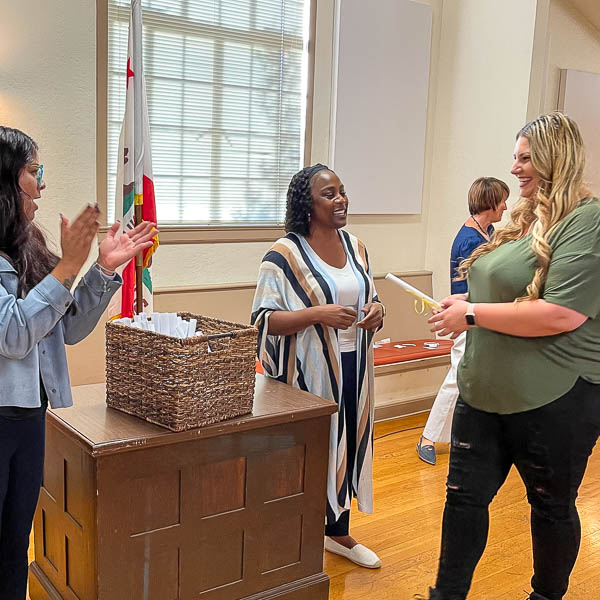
x=336, y=316
x=287, y=322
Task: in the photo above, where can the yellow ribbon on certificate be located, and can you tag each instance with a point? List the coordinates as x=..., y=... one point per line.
x=425, y=305
x=426, y=302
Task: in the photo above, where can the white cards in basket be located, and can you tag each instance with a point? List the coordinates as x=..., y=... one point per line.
x=165, y=323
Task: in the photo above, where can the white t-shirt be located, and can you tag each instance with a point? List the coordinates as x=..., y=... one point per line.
x=348, y=290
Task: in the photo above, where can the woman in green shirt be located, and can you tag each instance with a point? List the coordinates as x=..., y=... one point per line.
x=529, y=381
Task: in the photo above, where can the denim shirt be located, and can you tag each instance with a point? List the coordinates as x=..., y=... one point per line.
x=35, y=329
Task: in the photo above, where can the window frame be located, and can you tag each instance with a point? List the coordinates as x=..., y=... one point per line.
x=184, y=233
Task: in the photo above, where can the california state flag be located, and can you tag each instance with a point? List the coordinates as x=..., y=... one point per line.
x=134, y=172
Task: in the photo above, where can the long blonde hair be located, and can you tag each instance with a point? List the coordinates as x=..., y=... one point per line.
x=558, y=155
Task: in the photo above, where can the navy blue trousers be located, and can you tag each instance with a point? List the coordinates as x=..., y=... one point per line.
x=341, y=527
x=22, y=444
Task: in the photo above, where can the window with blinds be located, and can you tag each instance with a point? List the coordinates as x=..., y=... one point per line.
x=226, y=85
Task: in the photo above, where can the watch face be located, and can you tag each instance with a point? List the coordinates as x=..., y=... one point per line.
x=470, y=319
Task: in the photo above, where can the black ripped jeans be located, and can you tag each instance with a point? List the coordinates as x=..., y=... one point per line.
x=550, y=447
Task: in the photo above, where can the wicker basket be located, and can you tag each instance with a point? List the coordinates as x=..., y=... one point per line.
x=178, y=383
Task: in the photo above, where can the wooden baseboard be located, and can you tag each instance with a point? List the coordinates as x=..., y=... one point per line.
x=409, y=387
x=315, y=587
x=403, y=408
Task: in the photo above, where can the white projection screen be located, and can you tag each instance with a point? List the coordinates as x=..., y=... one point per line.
x=379, y=108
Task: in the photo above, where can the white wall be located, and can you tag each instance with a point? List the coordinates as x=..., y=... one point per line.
x=479, y=90
x=483, y=85
x=485, y=64
x=398, y=242
x=395, y=242
x=573, y=43
x=499, y=67
x=47, y=89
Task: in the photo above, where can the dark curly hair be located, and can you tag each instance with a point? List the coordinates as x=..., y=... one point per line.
x=299, y=200
x=21, y=241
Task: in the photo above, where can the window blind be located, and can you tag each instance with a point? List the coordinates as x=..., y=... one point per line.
x=226, y=85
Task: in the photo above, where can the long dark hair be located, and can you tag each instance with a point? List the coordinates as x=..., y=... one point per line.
x=21, y=241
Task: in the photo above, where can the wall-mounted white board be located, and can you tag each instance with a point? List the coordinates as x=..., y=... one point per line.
x=379, y=107
x=579, y=93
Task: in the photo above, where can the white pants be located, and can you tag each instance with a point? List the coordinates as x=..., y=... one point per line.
x=439, y=423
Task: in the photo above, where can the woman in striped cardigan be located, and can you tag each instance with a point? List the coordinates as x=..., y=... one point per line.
x=317, y=310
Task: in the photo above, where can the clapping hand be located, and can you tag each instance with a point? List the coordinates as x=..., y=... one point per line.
x=76, y=237
x=116, y=251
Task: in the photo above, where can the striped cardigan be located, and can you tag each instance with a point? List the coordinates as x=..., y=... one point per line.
x=291, y=278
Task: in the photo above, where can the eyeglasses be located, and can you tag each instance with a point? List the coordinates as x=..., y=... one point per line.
x=40, y=172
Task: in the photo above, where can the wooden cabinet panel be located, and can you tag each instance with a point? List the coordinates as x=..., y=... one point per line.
x=231, y=511
x=153, y=501
x=219, y=563
x=286, y=472
x=219, y=487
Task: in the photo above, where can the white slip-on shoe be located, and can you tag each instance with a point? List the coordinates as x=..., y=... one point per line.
x=359, y=555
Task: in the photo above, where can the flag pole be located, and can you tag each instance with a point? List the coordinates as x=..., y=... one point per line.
x=139, y=268
x=134, y=198
x=139, y=149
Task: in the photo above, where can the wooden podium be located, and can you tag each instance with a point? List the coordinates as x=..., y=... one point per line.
x=235, y=510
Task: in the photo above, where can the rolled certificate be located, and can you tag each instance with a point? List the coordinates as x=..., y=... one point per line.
x=426, y=301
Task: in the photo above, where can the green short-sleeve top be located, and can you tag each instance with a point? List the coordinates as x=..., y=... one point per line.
x=506, y=374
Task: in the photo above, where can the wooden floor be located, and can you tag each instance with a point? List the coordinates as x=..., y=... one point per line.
x=405, y=530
